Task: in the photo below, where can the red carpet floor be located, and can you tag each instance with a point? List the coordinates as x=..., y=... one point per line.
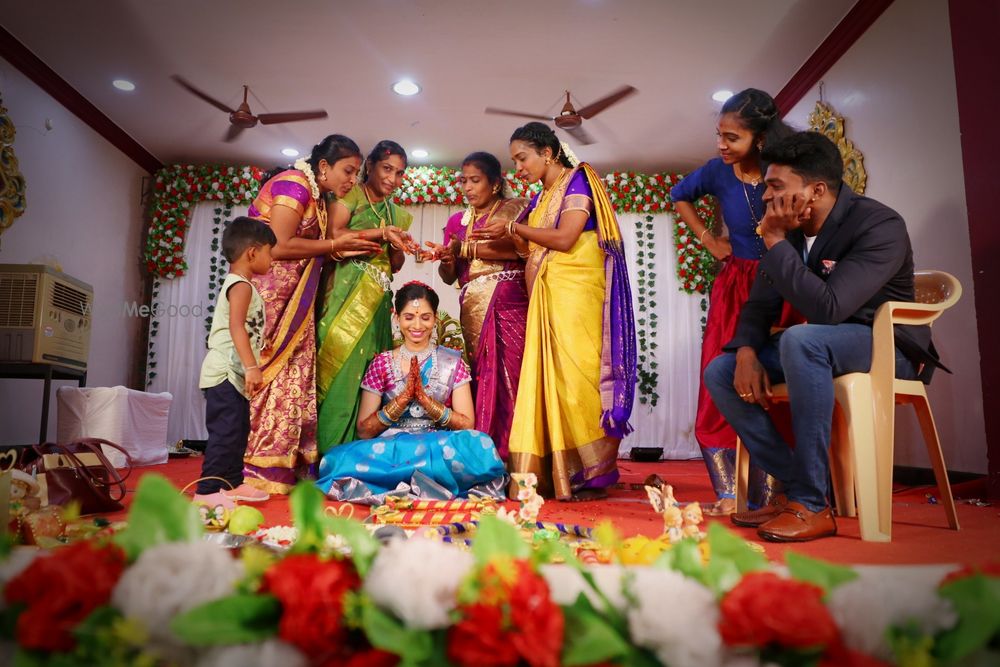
x=920, y=532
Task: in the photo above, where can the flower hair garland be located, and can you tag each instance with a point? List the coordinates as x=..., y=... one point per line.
x=306, y=169
x=569, y=154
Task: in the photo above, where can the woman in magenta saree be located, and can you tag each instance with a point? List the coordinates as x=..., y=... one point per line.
x=282, y=442
x=494, y=299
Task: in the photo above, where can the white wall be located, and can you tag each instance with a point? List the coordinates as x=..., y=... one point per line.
x=82, y=211
x=896, y=90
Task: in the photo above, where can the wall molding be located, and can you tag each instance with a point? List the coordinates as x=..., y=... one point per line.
x=18, y=55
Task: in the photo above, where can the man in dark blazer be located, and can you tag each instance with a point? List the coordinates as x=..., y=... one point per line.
x=836, y=257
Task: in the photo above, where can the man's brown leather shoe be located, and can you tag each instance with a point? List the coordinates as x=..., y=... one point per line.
x=754, y=518
x=795, y=523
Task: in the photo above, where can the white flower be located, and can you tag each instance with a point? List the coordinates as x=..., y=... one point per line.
x=569, y=154
x=306, y=169
x=880, y=597
x=172, y=578
x=272, y=653
x=566, y=584
x=417, y=579
x=681, y=635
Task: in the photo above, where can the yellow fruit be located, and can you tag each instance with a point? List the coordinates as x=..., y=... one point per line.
x=244, y=520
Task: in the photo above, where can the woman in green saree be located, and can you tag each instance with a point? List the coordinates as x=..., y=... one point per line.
x=356, y=306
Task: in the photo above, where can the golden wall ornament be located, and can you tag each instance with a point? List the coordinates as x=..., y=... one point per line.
x=12, y=186
x=826, y=121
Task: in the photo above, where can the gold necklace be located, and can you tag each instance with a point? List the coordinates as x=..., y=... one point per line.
x=740, y=173
x=557, y=181
x=477, y=263
x=754, y=220
x=489, y=215
x=385, y=202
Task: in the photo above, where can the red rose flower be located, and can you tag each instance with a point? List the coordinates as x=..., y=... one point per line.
x=764, y=609
x=311, y=592
x=514, y=621
x=372, y=657
x=479, y=638
x=539, y=621
x=61, y=590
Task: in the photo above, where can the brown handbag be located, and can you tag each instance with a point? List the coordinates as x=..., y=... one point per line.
x=78, y=472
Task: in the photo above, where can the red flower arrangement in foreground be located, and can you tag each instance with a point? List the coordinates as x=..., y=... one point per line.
x=60, y=590
x=766, y=610
x=311, y=591
x=514, y=619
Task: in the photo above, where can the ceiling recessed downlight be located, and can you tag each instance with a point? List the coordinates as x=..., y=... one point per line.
x=722, y=95
x=405, y=87
x=123, y=84
x=290, y=152
x=419, y=152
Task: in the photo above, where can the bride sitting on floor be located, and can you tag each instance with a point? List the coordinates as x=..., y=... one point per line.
x=416, y=414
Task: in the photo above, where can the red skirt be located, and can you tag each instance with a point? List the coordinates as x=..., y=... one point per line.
x=729, y=292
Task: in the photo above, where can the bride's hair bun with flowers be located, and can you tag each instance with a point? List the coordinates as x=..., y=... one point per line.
x=415, y=291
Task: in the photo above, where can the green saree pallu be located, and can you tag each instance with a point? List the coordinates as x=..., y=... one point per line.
x=354, y=322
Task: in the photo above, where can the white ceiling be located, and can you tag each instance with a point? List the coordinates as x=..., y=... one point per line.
x=466, y=55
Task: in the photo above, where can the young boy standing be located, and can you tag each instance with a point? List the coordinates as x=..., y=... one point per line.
x=230, y=372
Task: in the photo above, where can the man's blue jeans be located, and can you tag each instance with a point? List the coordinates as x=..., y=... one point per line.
x=806, y=358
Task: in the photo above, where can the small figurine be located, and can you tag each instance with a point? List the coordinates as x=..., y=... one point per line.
x=527, y=495
x=23, y=492
x=673, y=523
x=661, y=497
x=693, y=517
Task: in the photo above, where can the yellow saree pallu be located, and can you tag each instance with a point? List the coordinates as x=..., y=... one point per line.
x=574, y=399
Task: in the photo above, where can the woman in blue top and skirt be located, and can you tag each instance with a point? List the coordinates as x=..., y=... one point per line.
x=749, y=120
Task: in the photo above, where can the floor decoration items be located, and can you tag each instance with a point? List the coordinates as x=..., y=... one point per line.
x=135, y=597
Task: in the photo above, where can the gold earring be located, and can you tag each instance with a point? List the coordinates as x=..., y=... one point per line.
x=760, y=145
x=496, y=189
x=548, y=161
x=323, y=177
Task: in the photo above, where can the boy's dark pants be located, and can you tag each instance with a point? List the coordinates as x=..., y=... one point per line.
x=227, y=417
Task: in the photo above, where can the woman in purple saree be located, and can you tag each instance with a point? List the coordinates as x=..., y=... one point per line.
x=494, y=299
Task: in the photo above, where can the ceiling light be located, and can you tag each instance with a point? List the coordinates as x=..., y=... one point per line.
x=419, y=152
x=405, y=87
x=123, y=84
x=722, y=95
x=290, y=152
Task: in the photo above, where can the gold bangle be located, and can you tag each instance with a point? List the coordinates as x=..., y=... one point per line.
x=393, y=410
x=475, y=250
x=337, y=257
x=435, y=411
x=510, y=228
x=384, y=237
x=701, y=239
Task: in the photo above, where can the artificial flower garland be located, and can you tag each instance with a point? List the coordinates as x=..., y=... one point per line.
x=177, y=187
x=133, y=598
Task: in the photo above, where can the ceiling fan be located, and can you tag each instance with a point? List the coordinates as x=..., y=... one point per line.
x=241, y=118
x=571, y=119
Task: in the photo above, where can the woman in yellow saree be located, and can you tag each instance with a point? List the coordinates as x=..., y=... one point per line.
x=355, y=308
x=578, y=374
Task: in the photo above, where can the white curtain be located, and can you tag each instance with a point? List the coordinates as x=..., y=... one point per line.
x=678, y=347
x=179, y=345
x=180, y=339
